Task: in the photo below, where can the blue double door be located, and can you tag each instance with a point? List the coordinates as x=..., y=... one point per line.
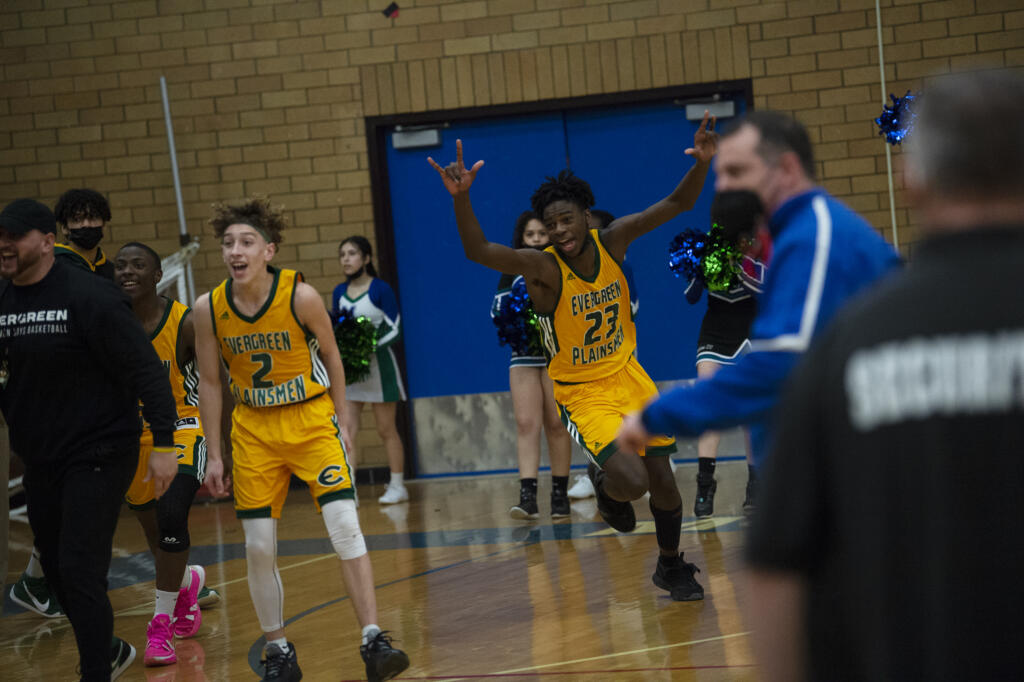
x=631, y=156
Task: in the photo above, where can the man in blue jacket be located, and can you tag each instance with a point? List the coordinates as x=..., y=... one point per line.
x=822, y=254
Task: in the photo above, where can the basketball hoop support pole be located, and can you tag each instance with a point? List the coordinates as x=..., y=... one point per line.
x=184, y=238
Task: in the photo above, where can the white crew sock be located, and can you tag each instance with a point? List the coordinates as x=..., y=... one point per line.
x=165, y=602
x=396, y=480
x=369, y=632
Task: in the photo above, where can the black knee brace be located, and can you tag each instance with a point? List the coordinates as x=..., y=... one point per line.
x=172, y=513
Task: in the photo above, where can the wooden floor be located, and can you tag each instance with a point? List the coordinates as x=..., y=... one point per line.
x=469, y=593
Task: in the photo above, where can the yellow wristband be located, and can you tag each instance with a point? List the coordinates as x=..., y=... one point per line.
x=165, y=448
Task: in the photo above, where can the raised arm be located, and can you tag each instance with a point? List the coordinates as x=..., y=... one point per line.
x=211, y=404
x=622, y=231
x=457, y=180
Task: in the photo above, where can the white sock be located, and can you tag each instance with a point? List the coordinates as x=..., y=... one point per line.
x=369, y=632
x=281, y=642
x=186, y=579
x=165, y=602
x=396, y=480
x=34, y=569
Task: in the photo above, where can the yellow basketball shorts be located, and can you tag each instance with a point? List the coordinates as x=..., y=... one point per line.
x=269, y=444
x=592, y=411
x=189, y=441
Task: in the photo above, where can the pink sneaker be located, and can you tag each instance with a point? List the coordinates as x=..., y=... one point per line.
x=187, y=617
x=160, y=641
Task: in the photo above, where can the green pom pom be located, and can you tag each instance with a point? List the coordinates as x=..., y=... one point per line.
x=720, y=262
x=357, y=342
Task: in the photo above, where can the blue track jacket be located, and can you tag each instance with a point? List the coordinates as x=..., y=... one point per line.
x=823, y=253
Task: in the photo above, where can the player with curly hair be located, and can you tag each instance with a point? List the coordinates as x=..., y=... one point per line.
x=273, y=333
x=581, y=297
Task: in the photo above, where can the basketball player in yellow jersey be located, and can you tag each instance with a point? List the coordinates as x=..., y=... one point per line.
x=273, y=333
x=580, y=294
x=165, y=520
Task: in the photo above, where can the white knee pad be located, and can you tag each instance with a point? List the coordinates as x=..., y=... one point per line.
x=342, y=523
x=260, y=539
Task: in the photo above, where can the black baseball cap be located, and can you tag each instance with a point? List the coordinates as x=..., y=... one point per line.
x=24, y=215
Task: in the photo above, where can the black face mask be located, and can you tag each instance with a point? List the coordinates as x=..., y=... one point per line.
x=86, y=237
x=737, y=212
x=357, y=274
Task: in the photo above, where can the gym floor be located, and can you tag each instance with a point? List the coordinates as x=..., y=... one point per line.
x=467, y=592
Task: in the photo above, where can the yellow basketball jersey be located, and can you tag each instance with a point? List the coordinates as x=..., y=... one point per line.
x=184, y=381
x=591, y=333
x=272, y=359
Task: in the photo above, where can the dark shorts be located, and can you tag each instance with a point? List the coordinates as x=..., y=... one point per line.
x=725, y=331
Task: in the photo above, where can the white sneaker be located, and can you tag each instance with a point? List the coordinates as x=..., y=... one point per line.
x=394, y=495
x=582, y=488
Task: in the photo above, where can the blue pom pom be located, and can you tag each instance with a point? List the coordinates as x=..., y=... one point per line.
x=345, y=315
x=685, y=253
x=897, y=119
x=517, y=322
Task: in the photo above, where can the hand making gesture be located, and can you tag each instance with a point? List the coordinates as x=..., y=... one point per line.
x=455, y=177
x=705, y=140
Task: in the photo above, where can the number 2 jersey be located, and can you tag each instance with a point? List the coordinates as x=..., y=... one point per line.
x=591, y=333
x=272, y=359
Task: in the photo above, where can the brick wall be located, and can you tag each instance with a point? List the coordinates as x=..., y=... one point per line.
x=269, y=96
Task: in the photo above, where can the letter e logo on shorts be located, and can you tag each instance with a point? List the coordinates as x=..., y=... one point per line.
x=330, y=476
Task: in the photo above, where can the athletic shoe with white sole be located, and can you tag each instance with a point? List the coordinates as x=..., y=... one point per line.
x=394, y=495
x=35, y=595
x=187, y=616
x=122, y=654
x=160, y=642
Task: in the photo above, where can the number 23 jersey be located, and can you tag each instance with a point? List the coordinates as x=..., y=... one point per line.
x=591, y=333
x=272, y=359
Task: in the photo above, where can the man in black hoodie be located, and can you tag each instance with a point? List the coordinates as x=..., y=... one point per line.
x=73, y=354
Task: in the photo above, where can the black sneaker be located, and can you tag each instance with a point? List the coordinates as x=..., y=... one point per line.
x=383, y=661
x=748, y=501
x=121, y=656
x=618, y=515
x=279, y=666
x=677, y=576
x=527, y=507
x=559, y=505
x=704, y=505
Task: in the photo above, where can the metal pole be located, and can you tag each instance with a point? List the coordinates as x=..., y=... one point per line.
x=182, y=228
x=888, y=147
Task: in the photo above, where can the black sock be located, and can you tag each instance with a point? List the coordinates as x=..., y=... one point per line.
x=706, y=465
x=559, y=486
x=668, y=526
x=751, y=474
x=528, y=484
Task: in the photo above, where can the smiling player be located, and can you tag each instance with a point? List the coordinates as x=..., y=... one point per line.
x=581, y=296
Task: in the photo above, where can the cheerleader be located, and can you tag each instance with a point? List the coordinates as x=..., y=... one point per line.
x=368, y=296
x=533, y=398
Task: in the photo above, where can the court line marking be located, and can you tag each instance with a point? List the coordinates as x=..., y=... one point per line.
x=625, y=653
x=257, y=647
x=575, y=672
x=141, y=609
x=534, y=668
